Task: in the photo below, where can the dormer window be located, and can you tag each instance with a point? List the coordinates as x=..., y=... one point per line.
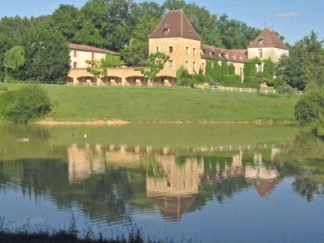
x=260, y=41
x=166, y=31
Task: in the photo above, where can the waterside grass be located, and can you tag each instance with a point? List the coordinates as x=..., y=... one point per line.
x=156, y=104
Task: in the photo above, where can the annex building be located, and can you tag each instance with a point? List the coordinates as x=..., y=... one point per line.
x=176, y=37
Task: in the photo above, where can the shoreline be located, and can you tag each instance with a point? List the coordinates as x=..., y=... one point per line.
x=116, y=122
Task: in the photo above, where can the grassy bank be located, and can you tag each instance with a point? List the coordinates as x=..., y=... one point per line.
x=140, y=104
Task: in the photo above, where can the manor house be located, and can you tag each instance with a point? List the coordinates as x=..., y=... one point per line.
x=176, y=37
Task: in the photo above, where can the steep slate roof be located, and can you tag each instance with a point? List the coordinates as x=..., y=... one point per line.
x=78, y=47
x=175, y=24
x=212, y=52
x=268, y=38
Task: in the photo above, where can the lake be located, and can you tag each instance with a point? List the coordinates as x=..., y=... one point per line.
x=174, y=183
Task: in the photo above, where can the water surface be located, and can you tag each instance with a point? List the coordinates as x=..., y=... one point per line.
x=199, y=183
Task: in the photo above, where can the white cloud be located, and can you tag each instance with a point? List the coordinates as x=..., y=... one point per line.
x=287, y=14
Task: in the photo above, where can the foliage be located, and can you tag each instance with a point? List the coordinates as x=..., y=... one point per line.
x=96, y=68
x=285, y=89
x=305, y=64
x=100, y=68
x=310, y=108
x=14, y=58
x=182, y=76
x=25, y=104
x=46, y=51
x=268, y=69
x=155, y=65
x=146, y=16
x=66, y=20
x=250, y=67
x=111, y=61
x=216, y=70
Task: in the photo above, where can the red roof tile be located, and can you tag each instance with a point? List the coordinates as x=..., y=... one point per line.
x=268, y=38
x=212, y=52
x=90, y=49
x=175, y=24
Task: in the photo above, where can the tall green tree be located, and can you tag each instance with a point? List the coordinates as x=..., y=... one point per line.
x=112, y=18
x=305, y=64
x=14, y=58
x=146, y=17
x=66, y=20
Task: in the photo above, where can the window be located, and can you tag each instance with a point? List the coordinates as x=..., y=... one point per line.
x=75, y=53
x=194, y=51
x=75, y=65
x=260, y=41
x=170, y=63
x=194, y=67
x=260, y=53
x=92, y=55
x=166, y=31
x=187, y=50
x=170, y=49
x=260, y=68
x=187, y=65
x=157, y=49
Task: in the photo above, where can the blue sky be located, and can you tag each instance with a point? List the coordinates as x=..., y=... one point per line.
x=291, y=18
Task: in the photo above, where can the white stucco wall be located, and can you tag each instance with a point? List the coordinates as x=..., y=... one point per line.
x=82, y=57
x=267, y=52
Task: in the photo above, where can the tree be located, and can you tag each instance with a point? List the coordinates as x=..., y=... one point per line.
x=89, y=35
x=112, y=19
x=305, y=64
x=174, y=4
x=66, y=20
x=155, y=65
x=146, y=17
x=14, y=58
x=310, y=108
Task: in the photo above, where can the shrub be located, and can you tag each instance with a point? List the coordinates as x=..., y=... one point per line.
x=310, y=108
x=285, y=89
x=25, y=104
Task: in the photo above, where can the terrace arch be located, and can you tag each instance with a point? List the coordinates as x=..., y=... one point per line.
x=87, y=80
x=137, y=81
x=165, y=81
x=112, y=81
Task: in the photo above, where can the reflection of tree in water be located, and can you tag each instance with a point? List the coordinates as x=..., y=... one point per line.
x=104, y=196
x=305, y=161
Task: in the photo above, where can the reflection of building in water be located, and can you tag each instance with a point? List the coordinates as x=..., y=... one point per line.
x=172, y=181
x=263, y=179
x=174, y=192
x=227, y=171
x=85, y=161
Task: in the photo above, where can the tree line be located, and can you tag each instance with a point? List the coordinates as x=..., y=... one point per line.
x=38, y=46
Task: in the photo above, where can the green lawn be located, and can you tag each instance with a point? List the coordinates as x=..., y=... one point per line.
x=137, y=104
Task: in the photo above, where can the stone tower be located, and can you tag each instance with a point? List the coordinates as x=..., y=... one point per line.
x=176, y=37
